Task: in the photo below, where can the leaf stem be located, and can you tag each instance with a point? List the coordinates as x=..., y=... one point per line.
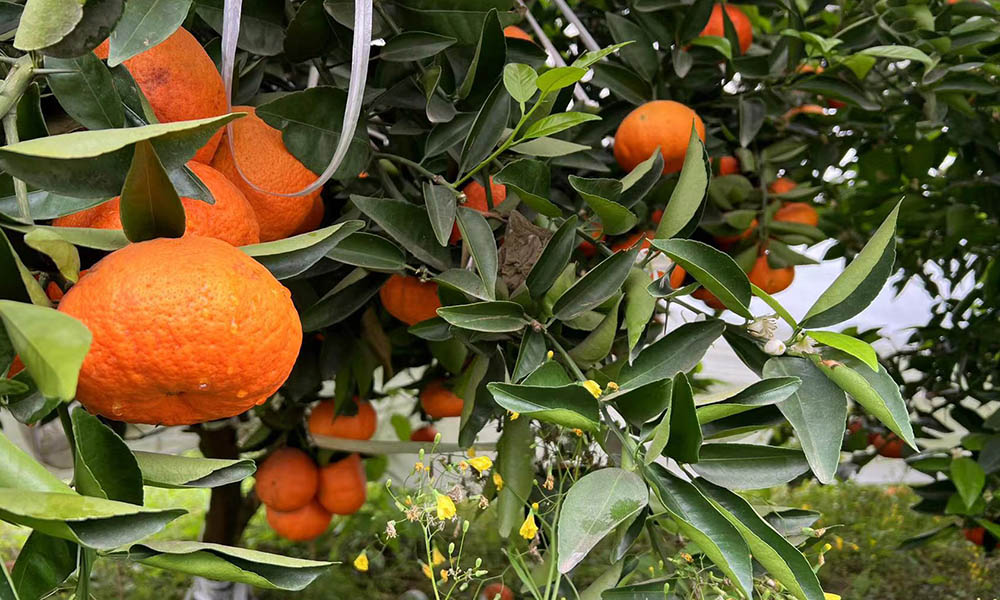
x=84, y=564
x=506, y=144
x=562, y=352
x=434, y=177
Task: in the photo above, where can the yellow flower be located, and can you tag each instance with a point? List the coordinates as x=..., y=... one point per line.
x=549, y=355
x=578, y=432
x=534, y=506
x=444, y=574
x=593, y=387
x=529, y=529
x=687, y=557
x=361, y=562
x=828, y=596
x=436, y=557
x=612, y=386
x=445, y=507
x=514, y=416
x=481, y=463
x=418, y=467
x=463, y=465
x=471, y=452
x=497, y=481
x=427, y=571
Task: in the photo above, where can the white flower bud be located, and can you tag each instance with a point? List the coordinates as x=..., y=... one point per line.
x=774, y=347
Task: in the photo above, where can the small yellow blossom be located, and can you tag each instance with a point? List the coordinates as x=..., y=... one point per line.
x=445, y=507
x=419, y=466
x=827, y=547
x=839, y=541
x=436, y=557
x=687, y=557
x=481, y=463
x=427, y=571
x=514, y=416
x=444, y=574
x=549, y=355
x=578, y=432
x=464, y=466
x=361, y=562
x=471, y=452
x=593, y=387
x=612, y=387
x=529, y=529
x=534, y=506
x=829, y=596
x=497, y=481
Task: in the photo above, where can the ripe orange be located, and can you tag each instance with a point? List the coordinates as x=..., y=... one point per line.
x=513, y=31
x=287, y=479
x=656, y=216
x=729, y=165
x=797, y=212
x=475, y=198
x=439, y=402
x=315, y=217
x=770, y=280
x=342, y=486
x=266, y=162
x=230, y=219
x=708, y=298
x=740, y=21
x=180, y=81
x=976, y=535
x=677, y=277
x=633, y=239
x=661, y=123
x=888, y=446
x=184, y=331
x=16, y=366
x=360, y=426
x=490, y=592
x=409, y=299
x=300, y=525
x=427, y=433
x=782, y=185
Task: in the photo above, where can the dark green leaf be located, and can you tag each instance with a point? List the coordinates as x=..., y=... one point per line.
x=530, y=180
x=353, y=292
x=689, y=192
x=292, y=256
x=369, y=251
x=969, y=479
x=104, y=466
x=750, y=466
x=43, y=563
x=441, y=203
x=752, y=113
x=487, y=129
x=644, y=402
x=309, y=33
x=30, y=119
x=487, y=63
x=677, y=352
x=490, y=317
x=595, y=287
x=150, y=206
x=174, y=471
x=409, y=225
x=88, y=93
x=144, y=24
x=261, y=24
x=639, y=305
x=639, y=55
x=567, y=405
x=515, y=457
x=553, y=260
x=762, y=393
x=602, y=196
x=685, y=434
x=414, y=45
x=713, y=269
x=597, y=345
x=478, y=235
x=530, y=355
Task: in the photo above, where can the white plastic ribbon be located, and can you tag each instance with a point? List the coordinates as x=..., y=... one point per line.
x=360, y=53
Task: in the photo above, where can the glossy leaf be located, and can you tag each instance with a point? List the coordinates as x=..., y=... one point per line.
x=478, y=235
x=530, y=355
x=602, y=197
x=174, y=471
x=597, y=345
x=595, y=287
x=750, y=466
x=487, y=62
x=596, y=504
x=684, y=444
x=104, y=465
x=88, y=92
x=51, y=344
x=639, y=305
x=761, y=393
x=645, y=402
x=530, y=180
x=677, y=352
x=969, y=479
x=407, y=224
x=558, y=78
x=369, y=251
x=292, y=256
x=713, y=269
x=487, y=129
x=414, y=45
x=519, y=80
x=441, y=206
x=548, y=147
x=150, y=207
x=515, y=456
x=557, y=123
x=859, y=349
x=144, y=24
x=567, y=405
x=490, y=317
x=690, y=190
x=43, y=564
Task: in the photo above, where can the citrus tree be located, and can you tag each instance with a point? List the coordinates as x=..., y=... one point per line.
x=498, y=203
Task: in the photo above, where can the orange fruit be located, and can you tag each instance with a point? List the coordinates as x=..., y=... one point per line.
x=708, y=298
x=656, y=216
x=16, y=366
x=729, y=165
x=661, y=123
x=300, y=525
x=976, y=535
x=806, y=109
x=492, y=590
x=807, y=68
x=315, y=217
x=287, y=479
x=633, y=239
x=360, y=426
x=342, y=486
x=513, y=31
x=797, y=212
x=475, y=198
x=265, y=161
x=180, y=81
x=427, y=433
x=230, y=219
x=782, y=185
x=770, y=280
x=740, y=21
x=835, y=104
x=409, y=299
x=184, y=330
x=589, y=249
x=677, y=277
x=728, y=240
x=439, y=402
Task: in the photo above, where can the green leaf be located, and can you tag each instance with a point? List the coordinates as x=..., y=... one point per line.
x=639, y=305
x=99, y=239
x=515, y=457
x=487, y=63
x=292, y=256
x=30, y=118
x=478, y=235
x=896, y=52
x=490, y=317
x=409, y=225
x=769, y=548
x=309, y=33
x=530, y=355
x=859, y=349
x=677, y=352
x=876, y=391
x=640, y=55
x=839, y=89
x=93, y=164
x=597, y=345
x=595, y=287
x=487, y=129
x=605, y=581
x=969, y=479
x=713, y=269
x=16, y=281
x=519, y=80
x=643, y=403
x=150, y=206
x=441, y=205
x=414, y=45
x=761, y=393
x=21, y=471
x=752, y=113
x=144, y=24
x=88, y=93
x=775, y=305
x=591, y=57
x=602, y=195
x=261, y=24
x=817, y=411
x=46, y=22
x=685, y=434
x=568, y=405
x=860, y=282
x=719, y=44
x=368, y=251
x=228, y=563
x=465, y=282
x=92, y=522
x=750, y=466
x=174, y=471
x=104, y=466
x=62, y=253
x=707, y=526
x=622, y=82
x=596, y=504
x=311, y=122
x=530, y=180
x=556, y=123
x=45, y=206
x=553, y=259
x=51, y=344
x=690, y=190
x=546, y=147
x=558, y=78
x=638, y=182
x=43, y=563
